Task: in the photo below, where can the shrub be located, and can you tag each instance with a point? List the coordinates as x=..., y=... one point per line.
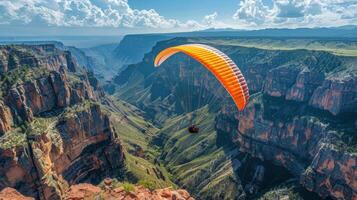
x=148, y=184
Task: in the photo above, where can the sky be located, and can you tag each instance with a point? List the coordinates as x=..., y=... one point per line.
x=113, y=17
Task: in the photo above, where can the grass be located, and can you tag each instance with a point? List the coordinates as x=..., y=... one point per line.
x=148, y=184
x=128, y=187
x=340, y=48
x=145, y=170
x=134, y=132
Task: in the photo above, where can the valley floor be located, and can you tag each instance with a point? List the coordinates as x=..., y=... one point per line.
x=208, y=168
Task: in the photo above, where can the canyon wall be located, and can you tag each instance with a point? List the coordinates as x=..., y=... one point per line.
x=53, y=132
x=301, y=115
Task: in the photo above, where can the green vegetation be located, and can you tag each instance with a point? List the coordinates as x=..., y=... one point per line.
x=128, y=187
x=281, y=193
x=21, y=75
x=135, y=134
x=41, y=125
x=148, y=184
x=340, y=48
x=345, y=141
x=70, y=111
x=14, y=138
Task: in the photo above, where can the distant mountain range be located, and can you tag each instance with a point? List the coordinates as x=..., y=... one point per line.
x=349, y=31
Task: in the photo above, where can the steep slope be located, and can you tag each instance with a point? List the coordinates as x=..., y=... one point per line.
x=105, y=63
x=302, y=117
x=132, y=47
x=135, y=133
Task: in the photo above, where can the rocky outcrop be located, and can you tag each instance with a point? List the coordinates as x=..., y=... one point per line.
x=332, y=173
x=280, y=80
x=306, y=83
x=5, y=118
x=53, y=134
x=45, y=55
x=18, y=171
x=87, y=191
x=12, y=194
x=88, y=150
x=336, y=95
x=91, y=192
x=52, y=90
x=80, y=147
x=304, y=145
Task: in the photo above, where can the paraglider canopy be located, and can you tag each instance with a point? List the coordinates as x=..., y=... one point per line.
x=223, y=68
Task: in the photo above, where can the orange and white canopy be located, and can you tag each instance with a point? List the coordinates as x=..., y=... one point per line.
x=219, y=64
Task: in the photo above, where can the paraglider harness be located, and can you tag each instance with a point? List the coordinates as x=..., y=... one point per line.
x=193, y=129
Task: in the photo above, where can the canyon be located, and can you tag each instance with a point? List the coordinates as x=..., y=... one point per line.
x=301, y=117
x=63, y=132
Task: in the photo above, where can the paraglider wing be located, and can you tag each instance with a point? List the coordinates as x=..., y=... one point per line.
x=219, y=64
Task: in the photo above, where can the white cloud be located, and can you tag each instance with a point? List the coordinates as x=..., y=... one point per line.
x=119, y=14
x=85, y=13
x=210, y=20
x=296, y=13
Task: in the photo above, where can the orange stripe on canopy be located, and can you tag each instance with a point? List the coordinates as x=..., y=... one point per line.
x=219, y=64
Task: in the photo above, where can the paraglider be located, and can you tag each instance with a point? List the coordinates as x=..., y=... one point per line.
x=219, y=64
x=193, y=129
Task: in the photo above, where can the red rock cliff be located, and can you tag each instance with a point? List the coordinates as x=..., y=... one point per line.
x=53, y=134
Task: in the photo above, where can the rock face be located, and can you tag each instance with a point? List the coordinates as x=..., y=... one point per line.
x=5, y=118
x=332, y=173
x=279, y=81
x=43, y=83
x=48, y=56
x=303, y=145
x=45, y=94
x=53, y=134
x=306, y=83
x=336, y=95
x=303, y=140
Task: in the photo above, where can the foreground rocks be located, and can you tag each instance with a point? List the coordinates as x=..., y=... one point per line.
x=88, y=191
x=12, y=194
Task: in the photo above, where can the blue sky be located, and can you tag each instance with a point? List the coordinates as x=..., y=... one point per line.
x=113, y=17
x=188, y=9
